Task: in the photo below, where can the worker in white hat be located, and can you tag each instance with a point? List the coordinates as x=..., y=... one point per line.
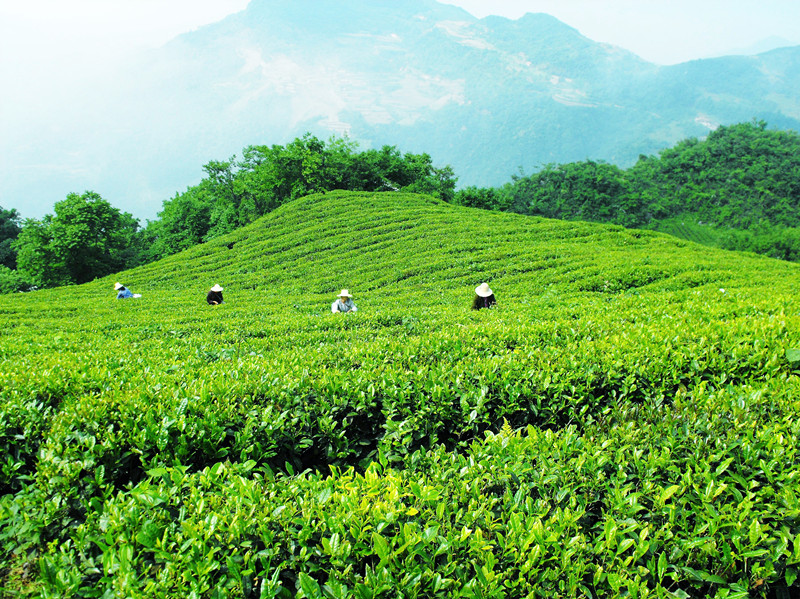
x=123, y=292
x=484, y=297
x=214, y=296
x=344, y=303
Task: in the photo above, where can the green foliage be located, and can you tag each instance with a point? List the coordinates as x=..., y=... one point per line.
x=184, y=221
x=235, y=193
x=740, y=185
x=36, y=254
x=739, y=176
x=87, y=238
x=12, y=281
x=475, y=197
x=624, y=422
x=9, y=231
x=593, y=191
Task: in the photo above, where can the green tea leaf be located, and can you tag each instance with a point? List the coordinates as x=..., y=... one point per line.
x=724, y=466
x=662, y=565
x=309, y=586
x=793, y=355
x=668, y=492
x=790, y=576
x=381, y=546
x=704, y=576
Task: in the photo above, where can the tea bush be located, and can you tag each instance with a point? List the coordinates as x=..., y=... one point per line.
x=623, y=423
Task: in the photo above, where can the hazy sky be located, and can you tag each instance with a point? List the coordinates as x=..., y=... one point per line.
x=46, y=45
x=663, y=31
x=41, y=36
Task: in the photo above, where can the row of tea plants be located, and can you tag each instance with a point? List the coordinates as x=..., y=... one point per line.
x=625, y=422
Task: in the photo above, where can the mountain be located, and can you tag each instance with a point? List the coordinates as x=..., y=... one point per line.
x=759, y=47
x=487, y=96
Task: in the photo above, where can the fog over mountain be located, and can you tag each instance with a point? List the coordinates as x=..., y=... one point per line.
x=487, y=96
x=766, y=44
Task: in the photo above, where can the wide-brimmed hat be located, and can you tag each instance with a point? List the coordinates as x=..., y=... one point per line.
x=483, y=290
x=118, y=285
x=344, y=293
x=216, y=288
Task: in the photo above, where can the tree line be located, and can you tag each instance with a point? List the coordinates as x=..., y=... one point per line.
x=88, y=238
x=738, y=189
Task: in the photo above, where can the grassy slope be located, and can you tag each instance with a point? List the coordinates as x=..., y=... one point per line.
x=638, y=359
x=312, y=246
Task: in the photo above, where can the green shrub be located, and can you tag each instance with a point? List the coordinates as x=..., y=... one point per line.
x=11, y=281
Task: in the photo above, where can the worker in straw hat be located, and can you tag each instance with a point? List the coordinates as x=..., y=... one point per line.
x=123, y=292
x=344, y=303
x=214, y=296
x=484, y=297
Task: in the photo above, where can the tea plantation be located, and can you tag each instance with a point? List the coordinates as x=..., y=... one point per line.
x=623, y=424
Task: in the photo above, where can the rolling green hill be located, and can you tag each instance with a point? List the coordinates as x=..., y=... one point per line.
x=624, y=422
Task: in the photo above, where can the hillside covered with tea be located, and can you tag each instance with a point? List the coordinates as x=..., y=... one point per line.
x=623, y=423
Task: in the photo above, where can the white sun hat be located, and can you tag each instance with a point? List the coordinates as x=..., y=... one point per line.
x=483, y=290
x=216, y=288
x=118, y=285
x=344, y=293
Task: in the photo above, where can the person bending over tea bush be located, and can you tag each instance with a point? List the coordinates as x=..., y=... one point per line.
x=124, y=293
x=214, y=296
x=344, y=303
x=484, y=297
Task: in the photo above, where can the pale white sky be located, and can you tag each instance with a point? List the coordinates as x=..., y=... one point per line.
x=46, y=45
x=663, y=31
x=62, y=39
x=42, y=36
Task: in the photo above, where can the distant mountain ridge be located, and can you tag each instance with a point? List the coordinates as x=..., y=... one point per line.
x=766, y=44
x=487, y=96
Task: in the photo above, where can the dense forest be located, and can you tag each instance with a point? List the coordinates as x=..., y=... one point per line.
x=737, y=189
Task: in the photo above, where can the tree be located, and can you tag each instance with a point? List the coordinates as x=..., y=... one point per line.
x=9, y=231
x=185, y=221
x=237, y=192
x=85, y=239
x=475, y=197
x=12, y=281
x=37, y=258
x=389, y=170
